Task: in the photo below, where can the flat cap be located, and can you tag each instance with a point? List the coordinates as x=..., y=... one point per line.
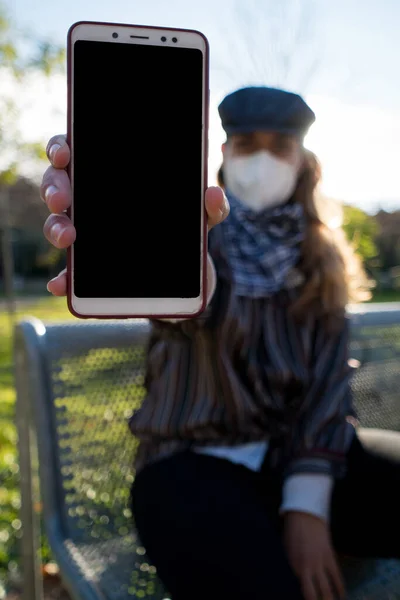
x=265, y=109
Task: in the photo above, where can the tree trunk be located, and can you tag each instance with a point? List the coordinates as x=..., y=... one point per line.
x=7, y=252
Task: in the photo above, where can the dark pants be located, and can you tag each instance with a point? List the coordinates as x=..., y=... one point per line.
x=213, y=531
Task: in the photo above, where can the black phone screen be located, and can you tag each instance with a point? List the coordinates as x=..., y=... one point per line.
x=137, y=134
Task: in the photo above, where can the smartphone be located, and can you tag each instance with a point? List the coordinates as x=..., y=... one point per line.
x=137, y=129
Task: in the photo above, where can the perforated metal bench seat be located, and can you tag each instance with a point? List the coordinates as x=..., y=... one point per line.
x=77, y=383
x=115, y=569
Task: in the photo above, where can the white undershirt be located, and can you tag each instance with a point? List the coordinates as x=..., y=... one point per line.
x=249, y=455
x=306, y=492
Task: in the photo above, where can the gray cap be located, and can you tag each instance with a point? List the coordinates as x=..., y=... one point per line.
x=265, y=109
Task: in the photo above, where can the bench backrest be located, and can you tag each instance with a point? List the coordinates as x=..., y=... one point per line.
x=375, y=343
x=81, y=381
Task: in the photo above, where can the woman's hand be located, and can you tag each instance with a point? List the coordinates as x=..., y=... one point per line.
x=56, y=192
x=308, y=545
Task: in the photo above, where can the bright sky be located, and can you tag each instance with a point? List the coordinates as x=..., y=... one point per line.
x=353, y=87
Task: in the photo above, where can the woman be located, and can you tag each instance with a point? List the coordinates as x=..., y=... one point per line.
x=250, y=474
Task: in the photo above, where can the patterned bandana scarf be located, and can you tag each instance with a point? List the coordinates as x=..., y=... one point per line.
x=260, y=251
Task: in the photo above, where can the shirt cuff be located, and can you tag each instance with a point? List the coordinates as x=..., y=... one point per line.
x=211, y=286
x=309, y=493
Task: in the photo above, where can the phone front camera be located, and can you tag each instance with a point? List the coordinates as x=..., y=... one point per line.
x=174, y=40
x=115, y=35
x=163, y=39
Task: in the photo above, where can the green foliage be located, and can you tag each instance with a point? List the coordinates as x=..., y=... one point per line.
x=10, y=526
x=48, y=58
x=8, y=50
x=42, y=56
x=10, y=175
x=35, y=148
x=361, y=229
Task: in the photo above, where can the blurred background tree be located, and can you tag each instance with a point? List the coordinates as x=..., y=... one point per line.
x=362, y=230
x=23, y=251
x=388, y=239
x=271, y=43
x=22, y=57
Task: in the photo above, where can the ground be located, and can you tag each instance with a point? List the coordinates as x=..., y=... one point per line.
x=53, y=588
x=52, y=591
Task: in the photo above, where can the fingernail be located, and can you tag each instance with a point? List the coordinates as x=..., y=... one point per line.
x=49, y=192
x=225, y=210
x=56, y=232
x=49, y=282
x=53, y=151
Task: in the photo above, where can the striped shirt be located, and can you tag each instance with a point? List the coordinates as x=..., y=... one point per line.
x=245, y=371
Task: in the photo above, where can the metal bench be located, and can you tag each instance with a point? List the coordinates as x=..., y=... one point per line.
x=77, y=383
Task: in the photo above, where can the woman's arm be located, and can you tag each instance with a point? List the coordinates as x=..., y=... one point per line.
x=322, y=433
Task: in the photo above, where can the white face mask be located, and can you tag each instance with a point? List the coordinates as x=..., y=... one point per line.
x=260, y=180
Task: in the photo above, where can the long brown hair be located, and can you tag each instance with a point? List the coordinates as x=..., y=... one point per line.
x=333, y=273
